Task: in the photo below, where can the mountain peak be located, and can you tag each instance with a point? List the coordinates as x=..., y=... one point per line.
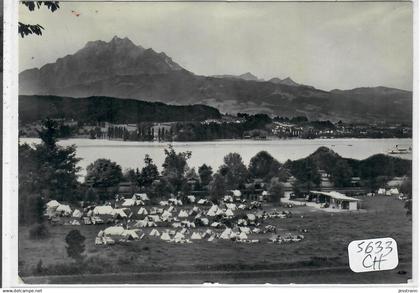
x=287, y=81
x=248, y=76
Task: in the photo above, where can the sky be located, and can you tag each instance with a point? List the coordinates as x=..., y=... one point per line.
x=326, y=45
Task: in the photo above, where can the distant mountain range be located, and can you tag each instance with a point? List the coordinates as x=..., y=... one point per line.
x=124, y=70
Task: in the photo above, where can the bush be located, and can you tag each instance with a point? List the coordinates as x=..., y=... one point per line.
x=38, y=231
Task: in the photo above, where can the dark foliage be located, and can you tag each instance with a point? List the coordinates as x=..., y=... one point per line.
x=175, y=167
x=149, y=172
x=264, y=166
x=107, y=109
x=75, y=245
x=28, y=29
x=103, y=173
x=205, y=172
x=234, y=171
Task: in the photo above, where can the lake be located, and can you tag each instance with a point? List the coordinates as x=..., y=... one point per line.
x=130, y=154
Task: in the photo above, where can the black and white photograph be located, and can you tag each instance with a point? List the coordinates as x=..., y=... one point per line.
x=215, y=142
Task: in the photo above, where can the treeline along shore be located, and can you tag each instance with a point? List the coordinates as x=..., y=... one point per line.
x=134, y=120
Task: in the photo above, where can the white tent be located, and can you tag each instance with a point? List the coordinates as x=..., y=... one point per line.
x=154, y=232
x=231, y=206
x=236, y=193
x=212, y=211
x=245, y=230
x=242, y=206
x=142, y=211
x=242, y=236
x=388, y=192
x=226, y=234
x=183, y=214
x=103, y=210
x=166, y=215
x=130, y=234
x=77, y=214
x=196, y=236
x=227, y=198
x=381, y=191
x=52, y=204
x=63, y=209
x=188, y=224
x=204, y=221
x=98, y=241
x=141, y=223
x=163, y=203
x=139, y=202
x=202, y=201
x=211, y=238
x=119, y=212
x=179, y=236
x=74, y=223
x=242, y=222
x=191, y=198
x=165, y=236
x=114, y=231
x=142, y=196
x=129, y=202
x=154, y=218
x=151, y=224
x=251, y=217
x=176, y=225
x=229, y=213
x=394, y=191
x=215, y=224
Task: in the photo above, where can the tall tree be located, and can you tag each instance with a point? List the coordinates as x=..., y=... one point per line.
x=205, y=172
x=264, y=166
x=217, y=187
x=234, y=171
x=149, y=172
x=276, y=190
x=175, y=167
x=103, y=173
x=56, y=166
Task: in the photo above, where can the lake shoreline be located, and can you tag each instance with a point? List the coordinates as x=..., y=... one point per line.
x=130, y=154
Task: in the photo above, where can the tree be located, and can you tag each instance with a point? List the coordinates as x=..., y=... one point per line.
x=205, y=172
x=28, y=29
x=103, y=173
x=263, y=166
x=149, y=172
x=305, y=170
x=91, y=195
x=75, y=245
x=217, y=187
x=175, y=166
x=276, y=190
x=234, y=171
x=56, y=170
x=341, y=174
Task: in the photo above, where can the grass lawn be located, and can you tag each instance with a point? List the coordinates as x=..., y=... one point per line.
x=324, y=247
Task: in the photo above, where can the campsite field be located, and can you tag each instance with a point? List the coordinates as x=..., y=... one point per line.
x=321, y=257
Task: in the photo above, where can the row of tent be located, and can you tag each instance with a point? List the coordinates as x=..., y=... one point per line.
x=391, y=191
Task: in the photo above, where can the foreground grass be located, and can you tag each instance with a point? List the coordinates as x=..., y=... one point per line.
x=324, y=246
